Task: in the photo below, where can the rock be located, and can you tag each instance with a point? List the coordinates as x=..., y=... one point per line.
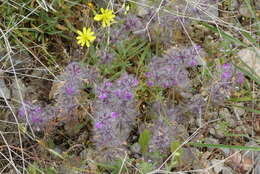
x=257, y=168
x=212, y=12
x=227, y=170
x=234, y=5
x=226, y=151
x=239, y=111
x=218, y=165
x=251, y=154
x=228, y=117
x=251, y=58
x=141, y=10
x=5, y=92
x=224, y=113
x=211, y=141
x=188, y=156
x=244, y=10
x=135, y=148
x=257, y=8
x=17, y=89
x=212, y=131
x=219, y=132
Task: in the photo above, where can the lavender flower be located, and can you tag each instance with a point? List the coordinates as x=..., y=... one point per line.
x=114, y=112
x=197, y=105
x=170, y=70
x=228, y=80
x=73, y=78
x=161, y=140
x=133, y=24
x=36, y=115
x=227, y=73
x=105, y=56
x=240, y=78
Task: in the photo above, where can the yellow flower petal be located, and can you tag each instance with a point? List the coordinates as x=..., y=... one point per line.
x=92, y=38
x=84, y=30
x=98, y=18
x=79, y=32
x=85, y=37
x=87, y=44
x=106, y=17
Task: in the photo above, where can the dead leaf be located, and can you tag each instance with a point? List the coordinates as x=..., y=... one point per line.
x=55, y=89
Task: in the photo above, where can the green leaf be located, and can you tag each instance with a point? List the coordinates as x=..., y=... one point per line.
x=177, y=158
x=50, y=171
x=145, y=167
x=225, y=146
x=144, y=140
x=249, y=37
x=55, y=153
x=33, y=169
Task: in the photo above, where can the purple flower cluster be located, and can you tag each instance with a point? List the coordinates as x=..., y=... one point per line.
x=105, y=56
x=197, y=105
x=229, y=79
x=35, y=115
x=73, y=78
x=65, y=94
x=133, y=24
x=115, y=111
x=170, y=70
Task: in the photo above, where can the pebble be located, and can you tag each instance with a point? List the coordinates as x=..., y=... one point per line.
x=5, y=92
x=258, y=8
x=227, y=170
x=250, y=57
x=218, y=165
x=135, y=148
x=211, y=141
x=244, y=11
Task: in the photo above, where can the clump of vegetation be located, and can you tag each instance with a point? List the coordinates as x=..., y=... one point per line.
x=128, y=87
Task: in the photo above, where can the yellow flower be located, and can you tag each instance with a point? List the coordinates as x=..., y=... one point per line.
x=85, y=37
x=106, y=17
x=90, y=5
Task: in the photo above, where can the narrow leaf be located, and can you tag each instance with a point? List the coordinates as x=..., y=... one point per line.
x=144, y=140
x=225, y=146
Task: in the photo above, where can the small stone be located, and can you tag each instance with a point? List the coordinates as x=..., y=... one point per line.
x=18, y=88
x=258, y=8
x=212, y=131
x=226, y=151
x=257, y=168
x=239, y=111
x=251, y=57
x=188, y=156
x=135, y=148
x=224, y=113
x=244, y=11
x=227, y=170
x=219, y=133
x=5, y=92
x=211, y=141
x=141, y=10
x=234, y=5
x=218, y=165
